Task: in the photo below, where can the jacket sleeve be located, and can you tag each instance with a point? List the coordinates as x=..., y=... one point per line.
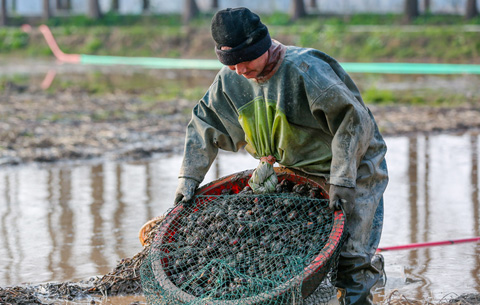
x=349, y=122
x=213, y=125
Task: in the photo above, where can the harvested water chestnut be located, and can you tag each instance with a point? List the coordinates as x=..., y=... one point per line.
x=241, y=215
x=269, y=209
x=241, y=230
x=315, y=192
x=300, y=189
x=181, y=279
x=276, y=213
x=228, y=242
x=202, y=260
x=292, y=215
x=252, y=242
x=226, y=191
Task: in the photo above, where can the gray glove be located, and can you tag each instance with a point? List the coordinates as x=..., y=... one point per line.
x=185, y=190
x=341, y=196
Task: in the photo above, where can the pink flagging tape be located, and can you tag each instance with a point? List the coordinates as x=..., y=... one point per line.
x=70, y=58
x=429, y=244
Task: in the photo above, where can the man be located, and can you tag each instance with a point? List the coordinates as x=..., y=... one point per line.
x=299, y=106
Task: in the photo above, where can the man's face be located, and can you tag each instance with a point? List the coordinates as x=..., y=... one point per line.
x=250, y=69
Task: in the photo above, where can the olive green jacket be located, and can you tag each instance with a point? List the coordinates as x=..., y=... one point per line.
x=309, y=115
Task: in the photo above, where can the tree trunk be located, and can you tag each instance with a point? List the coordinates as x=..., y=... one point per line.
x=145, y=5
x=411, y=10
x=94, y=9
x=427, y=6
x=190, y=10
x=472, y=10
x=214, y=4
x=114, y=6
x=3, y=13
x=46, y=10
x=64, y=4
x=298, y=9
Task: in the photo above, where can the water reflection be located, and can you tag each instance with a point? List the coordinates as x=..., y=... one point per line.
x=475, y=272
x=72, y=221
x=433, y=195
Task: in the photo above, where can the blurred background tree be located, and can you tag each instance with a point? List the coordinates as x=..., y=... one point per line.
x=114, y=6
x=145, y=6
x=215, y=4
x=46, y=10
x=3, y=13
x=64, y=5
x=94, y=9
x=410, y=10
x=298, y=10
x=426, y=4
x=472, y=10
x=190, y=10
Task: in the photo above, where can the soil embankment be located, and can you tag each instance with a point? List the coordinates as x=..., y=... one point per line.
x=48, y=127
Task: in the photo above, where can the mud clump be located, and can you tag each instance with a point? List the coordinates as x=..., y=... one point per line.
x=123, y=280
x=18, y=295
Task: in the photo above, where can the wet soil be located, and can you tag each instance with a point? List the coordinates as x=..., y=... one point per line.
x=37, y=126
x=44, y=127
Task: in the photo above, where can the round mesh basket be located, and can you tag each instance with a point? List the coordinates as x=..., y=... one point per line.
x=230, y=246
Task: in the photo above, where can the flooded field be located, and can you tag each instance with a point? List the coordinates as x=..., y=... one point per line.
x=72, y=221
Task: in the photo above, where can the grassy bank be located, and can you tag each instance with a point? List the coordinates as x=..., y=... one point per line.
x=151, y=90
x=360, y=38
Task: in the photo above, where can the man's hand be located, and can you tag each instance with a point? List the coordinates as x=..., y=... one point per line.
x=185, y=190
x=264, y=179
x=341, y=196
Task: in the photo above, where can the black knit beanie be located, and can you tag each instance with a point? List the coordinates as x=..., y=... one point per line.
x=241, y=30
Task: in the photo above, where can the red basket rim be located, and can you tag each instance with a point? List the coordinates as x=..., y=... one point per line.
x=235, y=181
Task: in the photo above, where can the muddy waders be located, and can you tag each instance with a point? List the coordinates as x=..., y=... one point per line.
x=357, y=274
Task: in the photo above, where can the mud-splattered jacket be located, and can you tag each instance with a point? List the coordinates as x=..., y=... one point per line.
x=309, y=115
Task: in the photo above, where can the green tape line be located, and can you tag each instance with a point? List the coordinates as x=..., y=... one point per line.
x=213, y=64
x=411, y=68
x=152, y=62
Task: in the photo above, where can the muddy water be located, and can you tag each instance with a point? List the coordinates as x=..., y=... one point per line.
x=72, y=221
x=433, y=196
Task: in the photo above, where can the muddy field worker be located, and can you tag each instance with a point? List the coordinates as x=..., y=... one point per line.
x=299, y=107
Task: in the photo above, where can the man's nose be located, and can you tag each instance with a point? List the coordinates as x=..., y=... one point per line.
x=240, y=69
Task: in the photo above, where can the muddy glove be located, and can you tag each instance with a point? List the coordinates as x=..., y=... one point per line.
x=264, y=179
x=341, y=196
x=185, y=190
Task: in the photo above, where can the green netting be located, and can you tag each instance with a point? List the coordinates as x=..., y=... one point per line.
x=279, y=248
